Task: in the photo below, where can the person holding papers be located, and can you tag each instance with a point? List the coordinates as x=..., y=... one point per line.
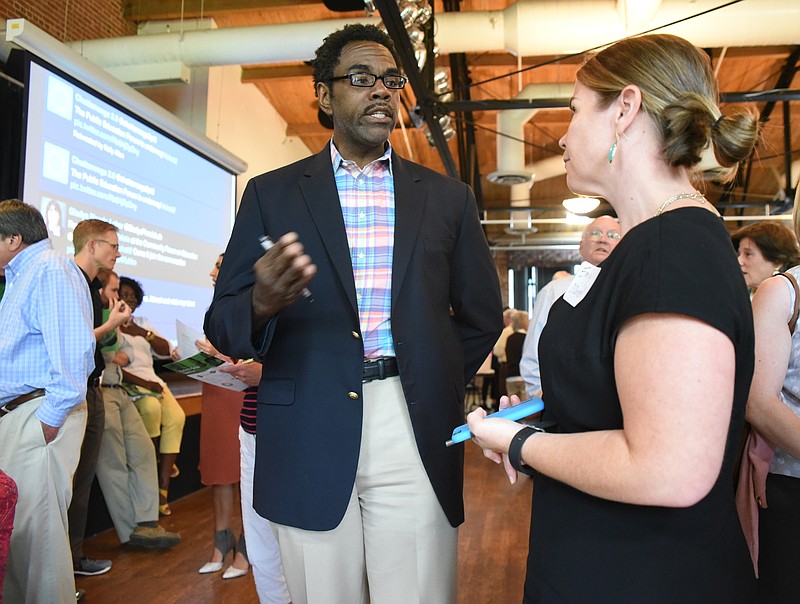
x=219, y=464
x=162, y=414
x=647, y=359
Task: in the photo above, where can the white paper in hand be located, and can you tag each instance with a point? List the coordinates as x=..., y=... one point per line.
x=187, y=336
x=198, y=365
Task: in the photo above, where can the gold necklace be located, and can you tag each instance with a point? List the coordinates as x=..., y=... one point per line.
x=696, y=196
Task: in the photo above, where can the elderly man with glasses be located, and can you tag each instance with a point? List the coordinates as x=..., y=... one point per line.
x=599, y=239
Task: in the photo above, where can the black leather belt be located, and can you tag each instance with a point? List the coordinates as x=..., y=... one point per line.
x=379, y=369
x=23, y=398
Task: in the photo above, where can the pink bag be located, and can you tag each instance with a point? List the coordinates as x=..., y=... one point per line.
x=751, y=492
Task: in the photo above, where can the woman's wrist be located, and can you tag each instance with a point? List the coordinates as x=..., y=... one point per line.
x=515, y=448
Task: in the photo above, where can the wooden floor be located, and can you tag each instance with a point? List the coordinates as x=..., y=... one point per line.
x=493, y=545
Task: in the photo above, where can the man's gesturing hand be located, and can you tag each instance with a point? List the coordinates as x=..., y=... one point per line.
x=280, y=275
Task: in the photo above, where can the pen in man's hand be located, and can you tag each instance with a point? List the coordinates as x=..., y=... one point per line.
x=266, y=244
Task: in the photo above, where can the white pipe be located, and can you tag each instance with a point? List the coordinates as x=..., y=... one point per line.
x=511, y=123
x=795, y=172
x=551, y=221
x=511, y=145
x=636, y=13
x=550, y=240
x=547, y=168
x=564, y=26
x=214, y=47
x=526, y=28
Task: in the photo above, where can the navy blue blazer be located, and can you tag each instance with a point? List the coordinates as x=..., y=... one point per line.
x=310, y=395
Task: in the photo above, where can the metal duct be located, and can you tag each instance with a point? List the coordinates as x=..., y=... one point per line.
x=526, y=28
x=511, y=167
x=548, y=27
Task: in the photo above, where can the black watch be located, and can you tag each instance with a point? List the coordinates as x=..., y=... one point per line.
x=515, y=449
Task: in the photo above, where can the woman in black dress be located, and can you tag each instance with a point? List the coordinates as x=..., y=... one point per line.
x=647, y=359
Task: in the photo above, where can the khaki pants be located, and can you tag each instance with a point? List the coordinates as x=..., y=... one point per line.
x=394, y=544
x=262, y=548
x=126, y=465
x=39, y=562
x=77, y=515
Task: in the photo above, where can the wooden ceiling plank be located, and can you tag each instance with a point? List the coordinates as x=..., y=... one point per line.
x=275, y=72
x=303, y=130
x=155, y=10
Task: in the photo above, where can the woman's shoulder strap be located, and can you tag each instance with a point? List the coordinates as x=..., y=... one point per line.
x=796, y=313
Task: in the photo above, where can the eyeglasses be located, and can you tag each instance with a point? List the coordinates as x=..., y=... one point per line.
x=367, y=80
x=596, y=234
x=113, y=245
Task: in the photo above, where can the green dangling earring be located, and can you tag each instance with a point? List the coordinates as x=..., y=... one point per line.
x=613, y=150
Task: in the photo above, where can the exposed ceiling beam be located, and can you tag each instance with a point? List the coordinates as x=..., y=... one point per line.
x=503, y=104
x=503, y=59
x=492, y=60
x=464, y=120
x=784, y=79
x=157, y=10
x=396, y=29
x=734, y=52
x=274, y=72
x=465, y=127
x=301, y=130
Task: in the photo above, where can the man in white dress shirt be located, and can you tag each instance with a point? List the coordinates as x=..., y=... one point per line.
x=599, y=239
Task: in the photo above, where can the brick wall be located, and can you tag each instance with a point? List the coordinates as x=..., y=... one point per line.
x=501, y=262
x=68, y=20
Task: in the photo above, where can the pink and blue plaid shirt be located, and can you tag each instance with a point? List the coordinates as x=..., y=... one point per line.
x=367, y=200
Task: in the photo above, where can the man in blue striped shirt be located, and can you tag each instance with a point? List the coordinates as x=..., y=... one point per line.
x=46, y=355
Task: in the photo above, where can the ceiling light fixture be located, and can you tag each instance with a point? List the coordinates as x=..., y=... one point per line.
x=581, y=205
x=576, y=219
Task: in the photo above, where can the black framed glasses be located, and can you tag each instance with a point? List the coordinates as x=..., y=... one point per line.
x=367, y=80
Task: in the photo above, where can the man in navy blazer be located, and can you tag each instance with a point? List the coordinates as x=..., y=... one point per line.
x=361, y=387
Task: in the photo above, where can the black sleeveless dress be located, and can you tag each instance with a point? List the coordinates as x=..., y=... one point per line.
x=586, y=549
